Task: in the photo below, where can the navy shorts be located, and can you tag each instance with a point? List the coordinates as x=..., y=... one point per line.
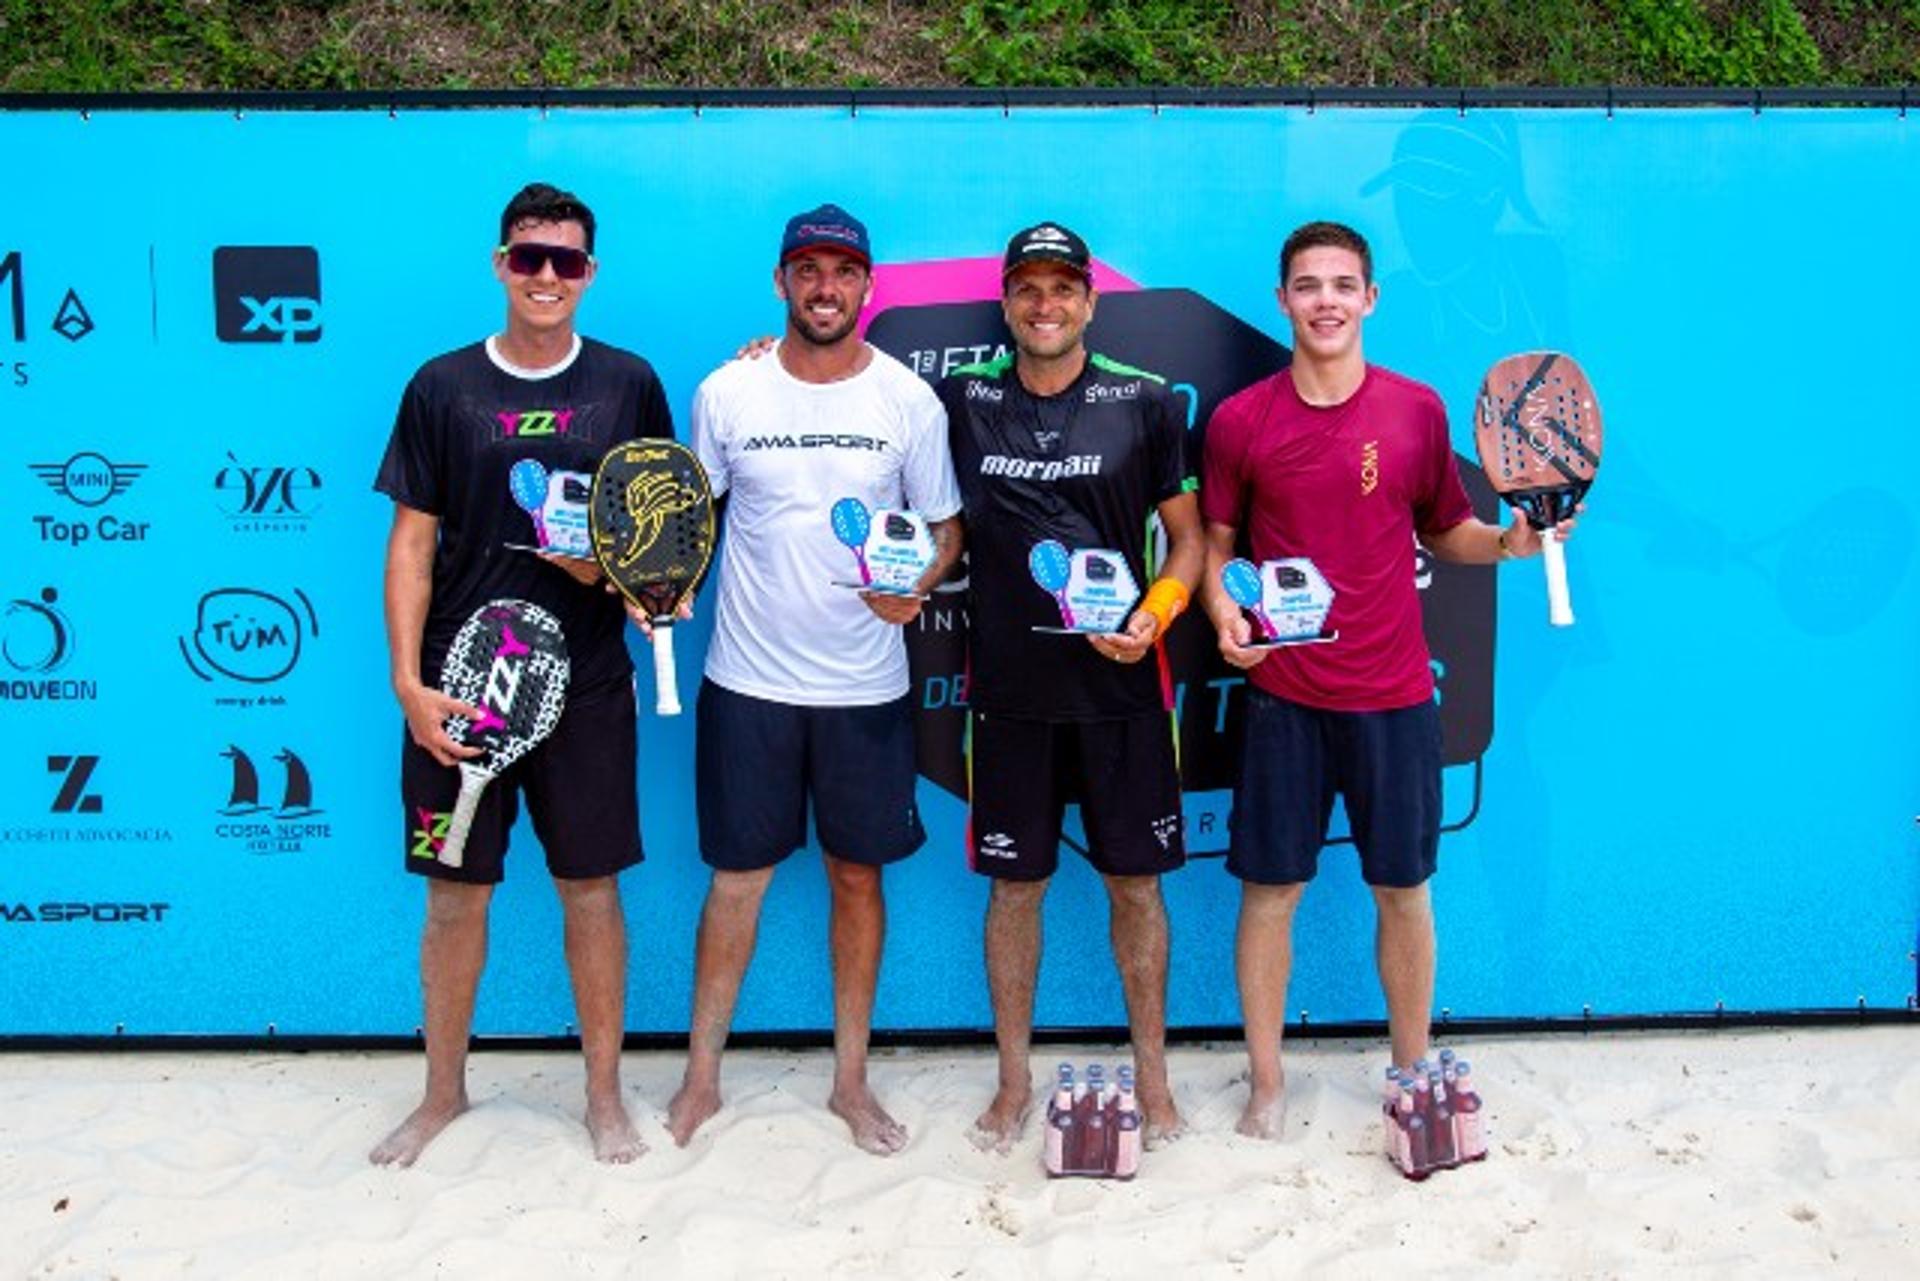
x=580, y=788
x=758, y=762
x=1385, y=765
x=1123, y=773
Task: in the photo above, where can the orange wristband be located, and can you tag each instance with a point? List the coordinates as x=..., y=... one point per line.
x=1165, y=600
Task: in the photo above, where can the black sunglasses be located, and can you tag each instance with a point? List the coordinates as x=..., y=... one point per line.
x=527, y=257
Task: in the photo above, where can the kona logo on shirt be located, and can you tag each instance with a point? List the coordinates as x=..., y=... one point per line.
x=813, y=441
x=1101, y=394
x=1369, y=467
x=1037, y=469
x=534, y=422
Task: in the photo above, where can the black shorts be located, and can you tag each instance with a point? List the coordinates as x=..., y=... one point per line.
x=1386, y=765
x=580, y=788
x=1123, y=773
x=757, y=762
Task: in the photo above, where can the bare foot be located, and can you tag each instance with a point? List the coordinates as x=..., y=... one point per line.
x=615, y=1141
x=996, y=1129
x=411, y=1137
x=690, y=1109
x=1266, y=1114
x=1161, y=1119
x=873, y=1130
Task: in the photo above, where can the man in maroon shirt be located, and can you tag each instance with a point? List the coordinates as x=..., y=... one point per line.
x=1344, y=463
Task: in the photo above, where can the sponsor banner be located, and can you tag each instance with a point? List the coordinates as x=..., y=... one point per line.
x=201, y=829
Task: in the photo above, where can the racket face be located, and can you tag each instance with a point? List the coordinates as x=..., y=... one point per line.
x=1242, y=582
x=651, y=516
x=1050, y=565
x=527, y=480
x=509, y=659
x=852, y=522
x=1538, y=432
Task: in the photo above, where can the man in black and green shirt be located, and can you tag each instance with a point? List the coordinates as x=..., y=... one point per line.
x=1055, y=442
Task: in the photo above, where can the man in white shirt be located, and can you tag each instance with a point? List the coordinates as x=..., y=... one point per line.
x=806, y=690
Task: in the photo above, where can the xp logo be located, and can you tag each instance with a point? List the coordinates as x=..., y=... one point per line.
x=266, y=293
x=266, y=497
x=243, y=796
x=88, y=478
x=248, y=635
x=36, y=636
x=75, y=773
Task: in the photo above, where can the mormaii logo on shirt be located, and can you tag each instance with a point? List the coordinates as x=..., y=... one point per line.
x=1039, y=469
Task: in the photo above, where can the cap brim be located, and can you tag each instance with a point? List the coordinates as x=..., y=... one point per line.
x=831, y=246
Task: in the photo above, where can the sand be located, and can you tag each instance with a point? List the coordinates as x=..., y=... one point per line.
x=1782, y=1153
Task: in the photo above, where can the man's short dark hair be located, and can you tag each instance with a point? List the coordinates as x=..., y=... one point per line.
x=1318, y=235
x=541, y=202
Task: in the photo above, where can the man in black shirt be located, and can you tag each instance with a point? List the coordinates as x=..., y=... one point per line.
x=1059, y=443
x=488, y=466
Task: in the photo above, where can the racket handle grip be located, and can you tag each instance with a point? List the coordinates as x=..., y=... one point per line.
x=665, y=682
x=453, y=850
x=1559, y=602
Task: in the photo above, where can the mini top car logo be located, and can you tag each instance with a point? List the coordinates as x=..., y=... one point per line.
x=248, y=635
x=88, y=478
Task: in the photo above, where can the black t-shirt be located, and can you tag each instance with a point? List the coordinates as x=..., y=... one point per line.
x=463, y=423
x=1087, y=467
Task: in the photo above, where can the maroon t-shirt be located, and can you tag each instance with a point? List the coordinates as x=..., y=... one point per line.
x=1347, y=486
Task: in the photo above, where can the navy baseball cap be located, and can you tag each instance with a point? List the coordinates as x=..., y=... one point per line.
x=828, y=227
x=1047, y=242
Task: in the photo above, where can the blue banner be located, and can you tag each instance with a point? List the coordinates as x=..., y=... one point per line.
x=1703, y=793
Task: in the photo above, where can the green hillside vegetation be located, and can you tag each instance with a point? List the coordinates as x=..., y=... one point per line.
x=122, y=45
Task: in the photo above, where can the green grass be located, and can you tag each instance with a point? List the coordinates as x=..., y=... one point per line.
x=118, y=45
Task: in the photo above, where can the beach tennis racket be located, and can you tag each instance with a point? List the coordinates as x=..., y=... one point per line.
x=1052, y=567
x=527, y=482
x=509, y=659
x=1240, y=578
x=852, y=522
x=1537, y=429
x=651, y=516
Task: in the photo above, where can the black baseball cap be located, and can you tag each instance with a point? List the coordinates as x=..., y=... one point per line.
x=1047, y=242
x=828, y=227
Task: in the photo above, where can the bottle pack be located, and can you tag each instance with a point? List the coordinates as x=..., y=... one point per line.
x=1432, y=1118
x=1093, y=1126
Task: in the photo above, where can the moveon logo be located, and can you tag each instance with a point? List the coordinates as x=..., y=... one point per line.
x=248, y=635
x=36, y=640
x=266, y=293
x=1038, y=469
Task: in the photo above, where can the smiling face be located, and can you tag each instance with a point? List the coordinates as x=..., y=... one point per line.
x=824, y=292
x=1048, y=306
x=543, y=302
x=1326, y=295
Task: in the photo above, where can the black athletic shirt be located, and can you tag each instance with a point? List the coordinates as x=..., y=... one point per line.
x=463, y=423
x=1087, y=467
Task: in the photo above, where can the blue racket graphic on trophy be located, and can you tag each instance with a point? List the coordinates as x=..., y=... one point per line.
x=1051, y=567
x=852, y=522
x=1241, y=580
x=527, y=481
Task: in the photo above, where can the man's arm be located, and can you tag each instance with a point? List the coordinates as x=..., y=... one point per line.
x=1186, y=561
x=1474, y=542
x=409, y=590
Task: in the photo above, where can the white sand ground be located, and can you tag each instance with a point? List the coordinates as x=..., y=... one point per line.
x=1777, y=1154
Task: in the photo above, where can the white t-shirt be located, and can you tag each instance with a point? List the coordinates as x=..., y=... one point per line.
x=786, y=451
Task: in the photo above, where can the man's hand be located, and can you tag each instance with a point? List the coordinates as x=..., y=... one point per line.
x=1131, y=645
x=1234, y=634
x=890, y=608
x=1522, y=540
x=427, y=710
x=581, y=570
x=640, y=619
x=755, y=348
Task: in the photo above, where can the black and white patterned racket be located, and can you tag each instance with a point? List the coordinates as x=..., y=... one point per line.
x=510, y=661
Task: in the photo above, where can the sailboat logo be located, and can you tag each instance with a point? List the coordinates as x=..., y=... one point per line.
x=296, y=796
